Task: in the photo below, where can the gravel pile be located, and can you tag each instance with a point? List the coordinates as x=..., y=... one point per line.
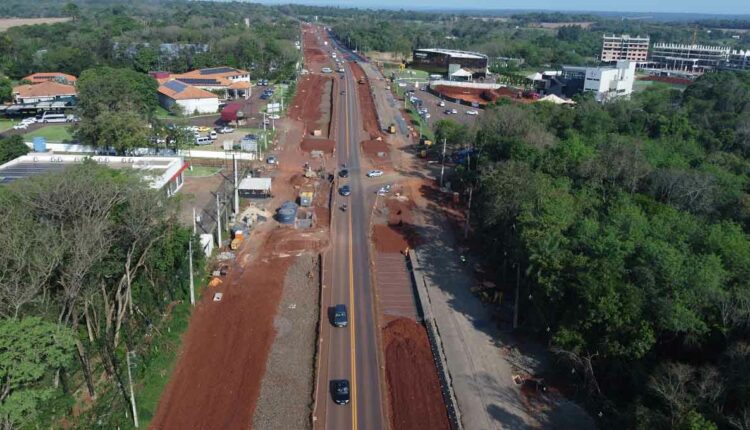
x=286, y=393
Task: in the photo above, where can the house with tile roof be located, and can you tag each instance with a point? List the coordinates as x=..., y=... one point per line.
x=190, y=99
x=61, y=78
x=232, y=83
x=47, y=91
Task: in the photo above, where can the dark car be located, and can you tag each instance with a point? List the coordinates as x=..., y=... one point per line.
x=344, y=173
x=345, y=190
x=340, y=317
x=340, y=391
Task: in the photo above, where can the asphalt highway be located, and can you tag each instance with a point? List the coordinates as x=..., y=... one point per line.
x=352, y=352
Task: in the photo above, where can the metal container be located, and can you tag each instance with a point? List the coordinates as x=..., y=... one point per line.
x=287, y=215
x=40, y=144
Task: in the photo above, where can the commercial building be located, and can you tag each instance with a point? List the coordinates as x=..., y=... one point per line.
x=162, y=173
x=46, y=91
x=62, y=78
x=190, y=99
x=226, y=82
x=737, y=60
x=448, y=62
x=607, y=82
x=624, y=47
x=688, y=58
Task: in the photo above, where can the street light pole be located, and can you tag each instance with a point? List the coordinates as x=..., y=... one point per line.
x=132, y=393
x=190, y=261
x=218, y=220
x=442, y=168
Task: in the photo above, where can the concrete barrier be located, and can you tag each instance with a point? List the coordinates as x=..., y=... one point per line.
x=425, y=308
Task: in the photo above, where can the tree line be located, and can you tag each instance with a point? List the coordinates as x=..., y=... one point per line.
x=93, y=260
x=627, y=224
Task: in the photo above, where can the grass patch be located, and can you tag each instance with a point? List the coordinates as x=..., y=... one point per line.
x=52, y=133
x=420, y=123
x=5, y=124
x=201, y=171
x=406, y=73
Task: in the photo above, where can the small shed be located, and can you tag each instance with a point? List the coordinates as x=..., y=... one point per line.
x=255, y=187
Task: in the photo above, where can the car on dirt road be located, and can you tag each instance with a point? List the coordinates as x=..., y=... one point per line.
x=340, y=317
x=345, y=191
x=272, y=159
x=340, y=391
x=374, y=173
x=225, y=130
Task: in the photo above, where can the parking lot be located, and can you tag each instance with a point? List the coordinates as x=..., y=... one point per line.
x=431, y=103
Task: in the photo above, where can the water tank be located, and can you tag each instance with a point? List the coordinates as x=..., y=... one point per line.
x=40, y=144
x=287, y=213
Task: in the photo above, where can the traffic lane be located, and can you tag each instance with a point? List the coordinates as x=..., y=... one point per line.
x=339, y=363
x=368, y=371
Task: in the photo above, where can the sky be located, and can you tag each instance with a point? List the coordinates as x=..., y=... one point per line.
x=673, y=6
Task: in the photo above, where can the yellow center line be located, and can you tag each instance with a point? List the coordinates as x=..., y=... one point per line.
x=352, y=317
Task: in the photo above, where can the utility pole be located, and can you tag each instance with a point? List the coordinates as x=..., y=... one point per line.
x=442, y=168
x=515, y=307
x=265, y=136
x=218, y=220
x=195, y=227
x=236, y=189
x=190, y=261
x=132, y=393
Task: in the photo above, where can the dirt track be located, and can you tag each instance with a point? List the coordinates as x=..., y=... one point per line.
x=366, y=103
x=414, y=389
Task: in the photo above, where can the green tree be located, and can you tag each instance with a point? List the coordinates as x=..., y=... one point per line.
x=30, y=350
x=12, y=147
x=6, y=89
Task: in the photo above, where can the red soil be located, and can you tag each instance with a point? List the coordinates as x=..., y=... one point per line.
x=306, y=104
x=372, y=150
x=218, y=376
x=315, y=57
x=667, y=80
x=366, y=103
x=325, y=145
x=480, y=95
x=413, y=386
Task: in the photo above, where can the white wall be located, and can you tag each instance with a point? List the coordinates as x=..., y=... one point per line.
x=609, y=83
x=201, y=105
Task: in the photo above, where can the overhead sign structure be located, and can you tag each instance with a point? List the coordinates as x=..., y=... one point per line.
x=273, y=107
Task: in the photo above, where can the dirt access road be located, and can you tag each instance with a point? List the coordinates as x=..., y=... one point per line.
x=218, y=376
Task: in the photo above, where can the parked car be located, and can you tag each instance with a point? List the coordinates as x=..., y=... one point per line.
x=21, y=126
x=225, y=130
x=374, y=173
x=274, y=116
x=340, y=391
x=271, y=159
x=204, y=129
x=448, y=111
x=213, y=135
x=345, y=190
x=29, y=120
x=340, y=316
x=454, y=111
x=441, y=103
x=472, y=112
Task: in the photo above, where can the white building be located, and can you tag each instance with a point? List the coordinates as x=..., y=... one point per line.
x=189, y=98
x=607, y=82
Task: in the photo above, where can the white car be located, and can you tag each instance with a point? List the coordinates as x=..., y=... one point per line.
x=472, y=112
x=218, y=297
x=441, y=103
x=21, y=126
x=29, y=120
x=274, y=117
x=374, y=173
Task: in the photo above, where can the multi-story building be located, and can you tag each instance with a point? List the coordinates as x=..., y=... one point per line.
x=737, y=60
x=688, y=58
x=607, y=83
x=624, y=47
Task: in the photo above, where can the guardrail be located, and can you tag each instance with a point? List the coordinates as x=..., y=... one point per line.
x=436, y=344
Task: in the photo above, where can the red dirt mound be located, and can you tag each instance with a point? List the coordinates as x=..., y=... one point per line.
x=307, y=101
x=394, y=238
x=325, y=145
x=366, y=103
x=413, y=385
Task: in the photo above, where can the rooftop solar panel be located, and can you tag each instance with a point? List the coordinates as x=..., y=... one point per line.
x=197, y=81
x=176, y=86
x=216, y=70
